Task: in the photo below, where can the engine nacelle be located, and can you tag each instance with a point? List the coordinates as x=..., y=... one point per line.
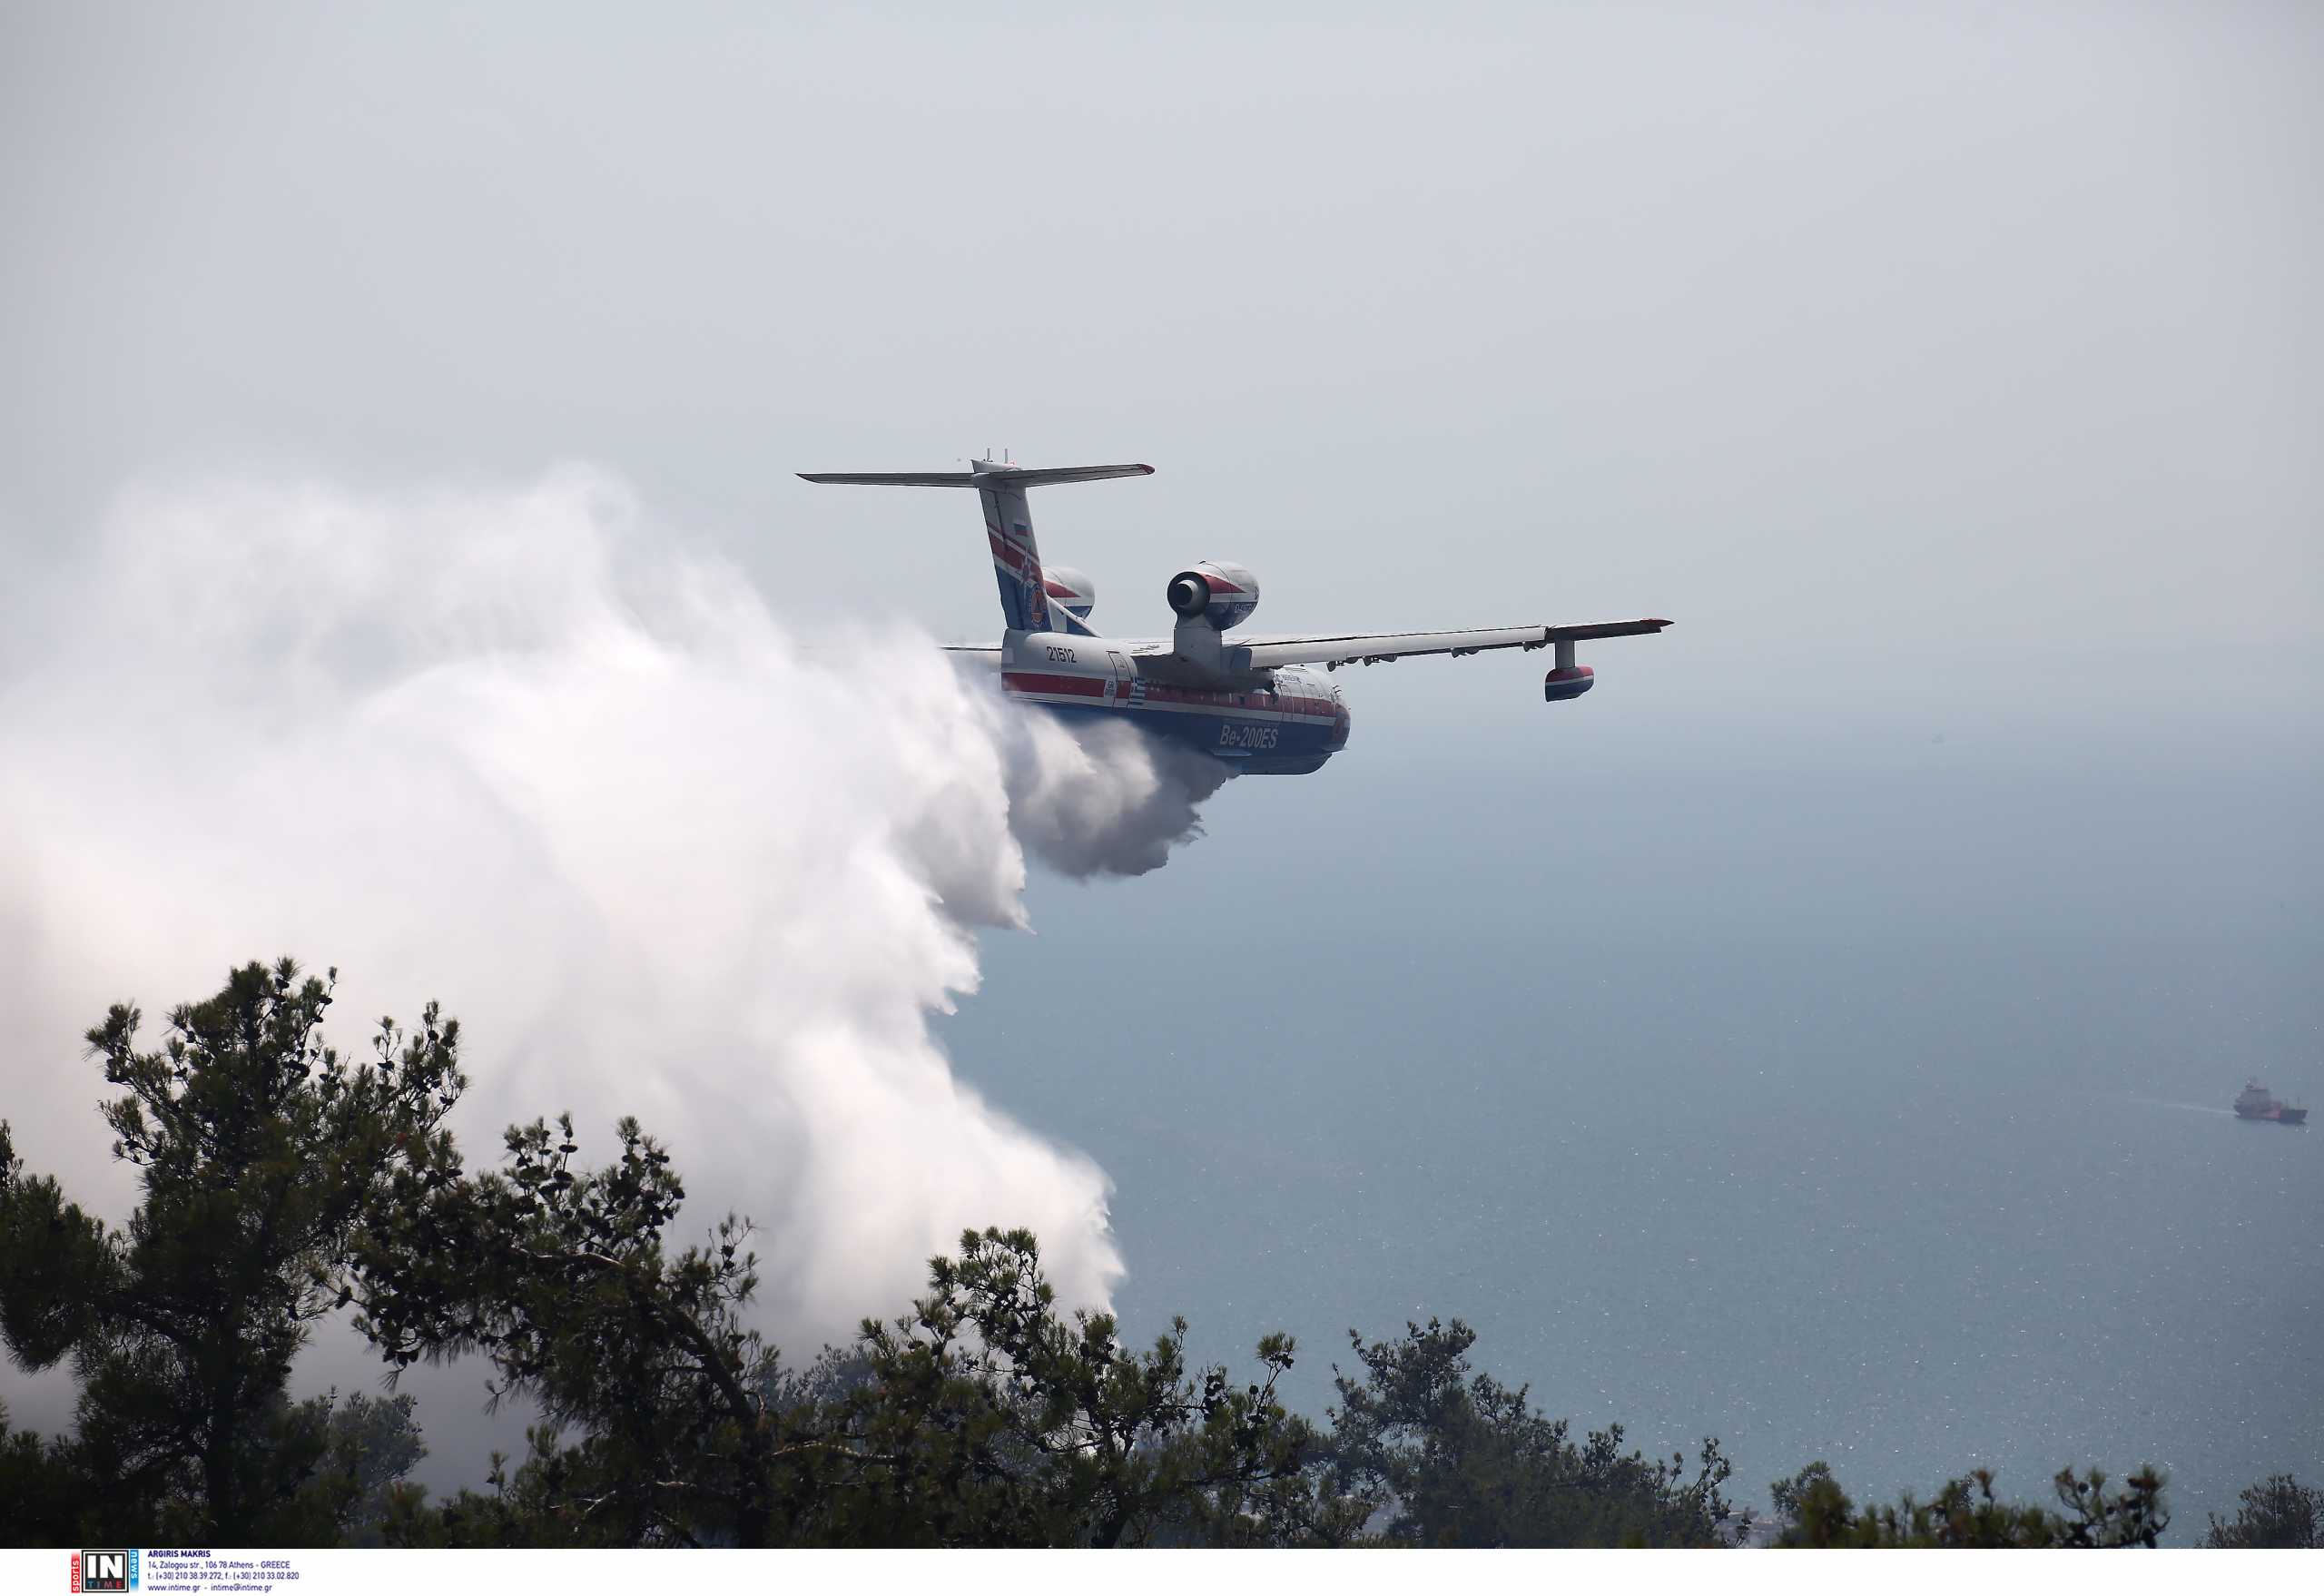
x=1216, y=591
x=1069, y=590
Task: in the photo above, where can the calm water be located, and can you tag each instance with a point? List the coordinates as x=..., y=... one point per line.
x=1873, y=1115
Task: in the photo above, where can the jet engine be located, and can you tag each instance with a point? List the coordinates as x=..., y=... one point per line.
x=1215, y=591
x=1069, y=590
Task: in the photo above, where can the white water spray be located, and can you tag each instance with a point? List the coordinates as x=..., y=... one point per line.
x=510, y=751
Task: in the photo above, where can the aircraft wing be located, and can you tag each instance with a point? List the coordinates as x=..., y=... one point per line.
x=1370, y=647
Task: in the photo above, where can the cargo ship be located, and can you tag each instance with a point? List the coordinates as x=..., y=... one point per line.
x=2256, y=1102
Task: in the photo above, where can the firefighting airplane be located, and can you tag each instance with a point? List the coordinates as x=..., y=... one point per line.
x=1251, y=703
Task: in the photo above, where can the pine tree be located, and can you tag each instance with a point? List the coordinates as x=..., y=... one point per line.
x=263, y=1157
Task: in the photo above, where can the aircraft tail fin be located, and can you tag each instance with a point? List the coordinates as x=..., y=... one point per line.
x=1008, y=524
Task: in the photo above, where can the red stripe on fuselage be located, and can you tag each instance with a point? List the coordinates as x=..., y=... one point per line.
x=1040, y=681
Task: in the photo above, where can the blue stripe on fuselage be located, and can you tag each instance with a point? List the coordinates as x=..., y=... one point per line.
x=1293, y=724
x=1237, y=739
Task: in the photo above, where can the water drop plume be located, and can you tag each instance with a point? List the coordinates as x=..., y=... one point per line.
x=514, y=750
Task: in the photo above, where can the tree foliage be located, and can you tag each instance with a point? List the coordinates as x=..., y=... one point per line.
x=262, y=1158
x=2278, y=1511
x=1965, y=1512
x=982, y=1417
x=565, y=1278
x=985, y=1416
x=1453, y=1457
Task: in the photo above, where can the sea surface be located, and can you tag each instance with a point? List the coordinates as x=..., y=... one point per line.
x=1870, y=1108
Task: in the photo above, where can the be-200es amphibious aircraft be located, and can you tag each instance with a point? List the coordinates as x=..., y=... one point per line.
x=1251, y=703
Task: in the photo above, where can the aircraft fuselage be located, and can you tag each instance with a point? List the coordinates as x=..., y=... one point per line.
x=1283, y=721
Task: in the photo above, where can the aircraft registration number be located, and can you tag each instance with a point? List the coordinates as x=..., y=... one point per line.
x=1248, y=736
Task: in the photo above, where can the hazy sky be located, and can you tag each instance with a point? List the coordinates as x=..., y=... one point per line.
x=1903, y=341
x=1952, y=376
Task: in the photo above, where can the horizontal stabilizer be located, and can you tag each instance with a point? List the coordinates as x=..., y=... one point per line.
x=895, y=479
x=988, y=476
